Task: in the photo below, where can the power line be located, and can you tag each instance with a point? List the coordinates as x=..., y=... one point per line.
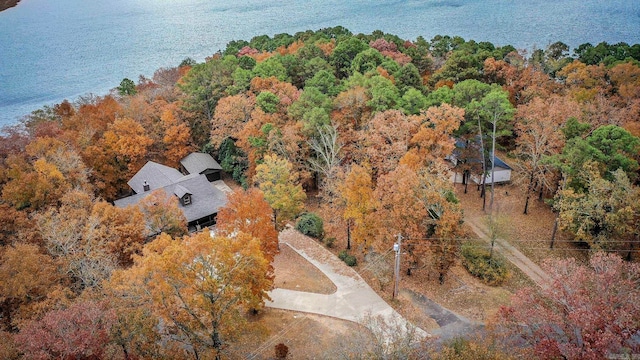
x=517, y=240
x=275, y=338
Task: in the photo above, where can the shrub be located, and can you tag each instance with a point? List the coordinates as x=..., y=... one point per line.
x=281, y=351
x=351, y=260
x=329, y=242
x=310, y=224
x=492, y=271
x=347, y=258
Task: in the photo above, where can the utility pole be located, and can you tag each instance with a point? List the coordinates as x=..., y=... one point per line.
x=396, y=278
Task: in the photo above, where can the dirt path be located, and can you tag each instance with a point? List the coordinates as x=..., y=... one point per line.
x=531, y=269
x=353, y=300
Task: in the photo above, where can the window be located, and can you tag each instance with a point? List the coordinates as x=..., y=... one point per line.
x=186, y=199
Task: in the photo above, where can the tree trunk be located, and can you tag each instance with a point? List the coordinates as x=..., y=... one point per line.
x=217, y=344
x=465, y=178
x=529, y=188
x=275, y=219
x=630, y=253
x=484, y=166
x=348, y=234
x=541, y=193
x=555, y=229
x=483, y=194
x=493, y=163
x=275, y=225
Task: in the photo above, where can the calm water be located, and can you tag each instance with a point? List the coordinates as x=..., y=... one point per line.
x=52, y=50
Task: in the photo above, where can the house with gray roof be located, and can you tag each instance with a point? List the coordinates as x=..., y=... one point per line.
x=199, y=199
x=201, y=163
x=502, y=170
x=153, y=176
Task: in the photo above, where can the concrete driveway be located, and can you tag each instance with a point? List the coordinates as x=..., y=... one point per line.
x=353, y=300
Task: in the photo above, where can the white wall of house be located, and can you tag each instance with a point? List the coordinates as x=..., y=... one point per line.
x=456, y=177
x=502, y=175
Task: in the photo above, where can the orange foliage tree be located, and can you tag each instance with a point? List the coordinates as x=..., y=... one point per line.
x=433, y=141
x=359, y=203
x=537, y=126
x=121, y=230
x=248, y=212
x=399, y=210
x=162, y=214
x=231, y=115
x=385, y=139
x=201, y=287
x=27, y=277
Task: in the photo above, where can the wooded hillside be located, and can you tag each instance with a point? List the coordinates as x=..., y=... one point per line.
x=366, y=123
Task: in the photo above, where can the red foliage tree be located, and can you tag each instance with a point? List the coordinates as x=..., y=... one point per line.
x=79, y=332
x=585, y=312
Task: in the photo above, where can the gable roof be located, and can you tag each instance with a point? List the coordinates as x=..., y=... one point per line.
x=462, y=144
x=181, y=191
x=197, y=163
x=156, y=175
x=205, y=198
x=502, y=164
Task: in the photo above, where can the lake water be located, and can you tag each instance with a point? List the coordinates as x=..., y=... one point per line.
x=52, y=50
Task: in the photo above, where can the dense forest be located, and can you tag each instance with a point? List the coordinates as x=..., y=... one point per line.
x=362, y=125
x=5, y=4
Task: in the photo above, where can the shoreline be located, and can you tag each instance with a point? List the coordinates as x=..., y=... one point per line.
x=7, y=4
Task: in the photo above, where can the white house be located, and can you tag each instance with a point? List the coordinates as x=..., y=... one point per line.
x=502, y=171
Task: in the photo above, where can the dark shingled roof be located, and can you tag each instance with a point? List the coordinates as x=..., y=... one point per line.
x=197, y=163
x=181, y=191
x=205, y=198
x=156, y=175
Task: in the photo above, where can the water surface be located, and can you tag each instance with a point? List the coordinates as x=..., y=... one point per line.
x=52, y=50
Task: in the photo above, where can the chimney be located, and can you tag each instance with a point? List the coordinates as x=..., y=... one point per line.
x=145, y=186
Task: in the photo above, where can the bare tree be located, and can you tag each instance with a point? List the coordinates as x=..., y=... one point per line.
x=327, y=150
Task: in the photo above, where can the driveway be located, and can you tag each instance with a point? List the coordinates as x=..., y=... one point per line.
x=353, y=300
x=531, y=269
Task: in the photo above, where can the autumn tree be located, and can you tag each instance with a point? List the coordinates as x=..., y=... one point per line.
x=231, y=114
x=444, y=217
x=162, y=214
x=399, y=210
x=177, y=136
x=53, y=168
x=384, y=140
x=433, y=141
x=277, y=180
x=68, y=236
x=248, y=212
x=121, y=230
x=536, y=126
x=587, y=311
x=28, y=275
x=128, y=142
x=326, y=157
x=201, y=287
x=603, y=214
x=14, y=226
x=79, y=332
x=359, y=203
